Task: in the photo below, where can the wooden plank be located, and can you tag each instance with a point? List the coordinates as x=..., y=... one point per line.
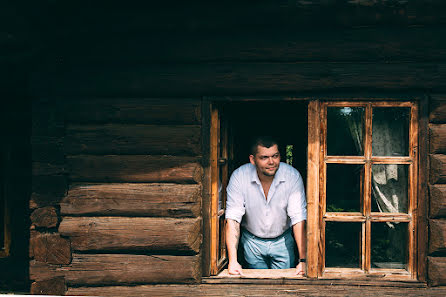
x=138, y=168
x=437, y=271
x=45, y=217
x=133, y=139
x=50, y=248
x=124, y=233
x=437, y=201
x=437, y=236
x=438, y=109
x=103, y=269
x=437, y=138
x=313, y=151
x=297, y=288
x=93, y=110
x=125, y=199
x=242, y=78
x=53, y=286
x=437, y=169
x=284, y=45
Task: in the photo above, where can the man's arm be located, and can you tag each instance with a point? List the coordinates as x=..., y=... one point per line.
x=232, y=239
x=300, y=236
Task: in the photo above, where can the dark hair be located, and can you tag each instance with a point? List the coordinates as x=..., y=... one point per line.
x=265, y=141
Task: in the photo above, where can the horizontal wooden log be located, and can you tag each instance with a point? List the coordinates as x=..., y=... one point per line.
x=138, y=168
x=238, y=78
x=108, y=269
x=186, y=111
x=360, y=44
x=47, y=190
x=54, y=286
x=437, y=138
x=437, y=194
x=159, y=200
x=437, y=169
x=437, y=271
x=123, y=233
x=133, y=139
x=438, y=109
x=50, y=248
x=45, y=217
x=244, y=287
x=437, y=236
x=47, y=168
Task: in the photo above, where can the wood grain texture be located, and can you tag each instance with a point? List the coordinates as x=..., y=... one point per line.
x=437, y=236
x=123, y=233
x=50, y=248
x=53, y=286
x=238, y=78
x=133, y=139
x=437, y=169
x=437, y=194
x=438, y=109
x=298, y=288
x=44, y=217
x=437, y=271
x=185, y=111
x=137, y=168
x=140, y=199
x=47, y=190
x=437, y=138
x=107, y=269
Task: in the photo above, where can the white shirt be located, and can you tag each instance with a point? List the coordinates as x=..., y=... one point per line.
x=271, y=217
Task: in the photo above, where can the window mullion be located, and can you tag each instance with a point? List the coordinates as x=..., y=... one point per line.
x=366, y=234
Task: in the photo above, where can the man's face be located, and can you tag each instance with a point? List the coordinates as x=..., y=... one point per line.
x=266, y=160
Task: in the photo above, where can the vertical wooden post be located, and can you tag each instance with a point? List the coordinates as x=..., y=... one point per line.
x=313, y=232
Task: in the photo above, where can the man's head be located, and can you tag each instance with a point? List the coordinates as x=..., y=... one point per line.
x=265, y=156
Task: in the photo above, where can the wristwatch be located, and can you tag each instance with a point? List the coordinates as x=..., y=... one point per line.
x=302, y=260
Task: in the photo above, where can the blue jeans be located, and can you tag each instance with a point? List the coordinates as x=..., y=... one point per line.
x=274, y=253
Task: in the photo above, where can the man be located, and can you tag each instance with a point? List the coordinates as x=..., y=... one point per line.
x=267, y=198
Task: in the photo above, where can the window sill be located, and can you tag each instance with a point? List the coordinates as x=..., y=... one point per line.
x=286, y=277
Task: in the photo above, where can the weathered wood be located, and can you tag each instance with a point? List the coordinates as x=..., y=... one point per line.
x=138, y=168
x=437, y=138
x=437, y=271
x=241, y=78
x=50, y=248
x=297, y=288
x=418, y=44
x=133, y=139
x=132, y=110
x=123, y=233
x=102, y=269
x=47, y=190
x=437, y=236
x=44, y=217
x=47, y=168
x=54, y=286
x=164, y=200
x=437, y=201
x=438, y=109
x=437, y=169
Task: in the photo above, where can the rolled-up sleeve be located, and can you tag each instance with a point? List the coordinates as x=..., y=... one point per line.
x=235, y=204
x=297, y=204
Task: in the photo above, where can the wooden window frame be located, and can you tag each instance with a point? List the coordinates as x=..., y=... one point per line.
x=317, y=160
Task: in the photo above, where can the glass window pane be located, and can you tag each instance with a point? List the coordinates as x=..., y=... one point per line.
x=390, y=188
x=390, y=128
x=345, y=131
x=344, y=187
x=389, y=245
x=342, y=244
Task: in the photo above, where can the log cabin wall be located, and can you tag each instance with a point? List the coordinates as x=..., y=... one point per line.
x=117, y=122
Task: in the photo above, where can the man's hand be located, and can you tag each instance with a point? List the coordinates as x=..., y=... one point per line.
x=235, y=268
x=301, y=269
